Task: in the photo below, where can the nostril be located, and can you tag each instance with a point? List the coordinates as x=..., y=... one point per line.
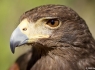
x=24, y=29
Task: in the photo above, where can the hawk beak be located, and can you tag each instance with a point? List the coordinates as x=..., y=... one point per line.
x=17, y=39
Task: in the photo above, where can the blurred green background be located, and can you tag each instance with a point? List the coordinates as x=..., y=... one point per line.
x=11, y=10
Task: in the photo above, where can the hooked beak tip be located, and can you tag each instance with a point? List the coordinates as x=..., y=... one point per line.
x=12, y=47
x=17, y=39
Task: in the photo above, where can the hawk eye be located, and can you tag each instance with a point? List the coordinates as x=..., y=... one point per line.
x=53, y=22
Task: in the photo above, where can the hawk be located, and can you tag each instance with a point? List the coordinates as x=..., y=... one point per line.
x=59, y=37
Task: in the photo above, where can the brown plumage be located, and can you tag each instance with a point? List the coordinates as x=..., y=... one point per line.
x=22, y=62
x=59, y=37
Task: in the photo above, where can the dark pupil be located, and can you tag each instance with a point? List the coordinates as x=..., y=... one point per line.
x=52, y=22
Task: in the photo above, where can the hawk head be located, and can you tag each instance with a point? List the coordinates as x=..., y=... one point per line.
x=51, y=26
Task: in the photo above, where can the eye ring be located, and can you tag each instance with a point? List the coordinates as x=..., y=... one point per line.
x=53, y=22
